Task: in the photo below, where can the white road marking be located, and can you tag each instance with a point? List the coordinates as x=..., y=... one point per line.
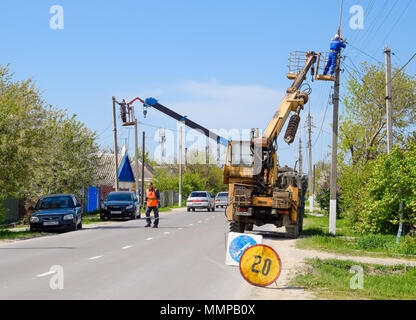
x=180, y=228
x=166, y=232
x=95, y=258
x=200, y=221
x=191, y=224
x=149, y=239
x=126, y=247
x=46, y=274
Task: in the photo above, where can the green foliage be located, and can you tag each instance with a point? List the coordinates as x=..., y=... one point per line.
x=391, y=181
x=363, y=125
x=42, y=150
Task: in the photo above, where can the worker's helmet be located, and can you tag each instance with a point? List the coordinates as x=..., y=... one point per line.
x=336, y=36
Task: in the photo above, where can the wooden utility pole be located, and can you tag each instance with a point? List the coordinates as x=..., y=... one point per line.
x=143, y=154
x=115, y=146
x=389, y=111
x=333, y=185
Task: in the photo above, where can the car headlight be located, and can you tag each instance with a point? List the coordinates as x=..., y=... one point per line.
x=34, y=219
x=129, y=207
x=69, y=217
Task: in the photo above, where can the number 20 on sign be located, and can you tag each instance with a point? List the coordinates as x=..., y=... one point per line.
x=260, y=265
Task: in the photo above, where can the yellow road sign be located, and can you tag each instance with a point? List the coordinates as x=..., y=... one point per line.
x=260, y=265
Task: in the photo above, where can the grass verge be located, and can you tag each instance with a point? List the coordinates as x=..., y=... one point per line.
x=6, y=234
x=331, y=279
x=349, y=243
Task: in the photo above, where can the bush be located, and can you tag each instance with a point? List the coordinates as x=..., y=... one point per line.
x=323, y=197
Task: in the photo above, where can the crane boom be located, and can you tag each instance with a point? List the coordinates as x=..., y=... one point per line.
x=151, y=102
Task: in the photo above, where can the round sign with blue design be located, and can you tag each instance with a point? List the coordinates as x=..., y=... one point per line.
x=237, y=244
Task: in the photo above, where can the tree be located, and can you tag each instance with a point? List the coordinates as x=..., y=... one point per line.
x=22, y=132
x=363, y=126
x=42, y=150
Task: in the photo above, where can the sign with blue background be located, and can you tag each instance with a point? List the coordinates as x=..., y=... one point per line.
x=237, y=244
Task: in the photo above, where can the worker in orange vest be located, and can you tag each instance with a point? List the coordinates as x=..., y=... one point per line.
x=152, y=201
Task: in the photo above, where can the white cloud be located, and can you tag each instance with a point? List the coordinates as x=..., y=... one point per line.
x=217, y=105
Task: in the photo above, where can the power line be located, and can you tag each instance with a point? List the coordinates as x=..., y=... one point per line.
x=397, y=21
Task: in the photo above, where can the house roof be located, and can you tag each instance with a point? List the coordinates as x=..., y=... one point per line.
x=107, y=168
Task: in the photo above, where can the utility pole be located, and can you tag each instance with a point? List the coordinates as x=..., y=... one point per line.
x=310, y=173
x=300, y=156
x=186, y=158
x=389, y=111
x=115, y=145
x=180, y=164
x=333, y=186
x=136, y=157
x=143, y=153
x=162, y=138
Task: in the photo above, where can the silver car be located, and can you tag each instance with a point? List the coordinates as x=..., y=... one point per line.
x=221, y=200
x=200, y=200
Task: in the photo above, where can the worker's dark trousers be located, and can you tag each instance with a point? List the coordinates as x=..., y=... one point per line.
x=332, y=62
x=156, y=213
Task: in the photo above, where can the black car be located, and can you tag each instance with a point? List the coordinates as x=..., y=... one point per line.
x=56, y=212
x=120, y=204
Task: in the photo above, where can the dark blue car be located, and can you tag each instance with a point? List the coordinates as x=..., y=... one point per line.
x=120, y=204
x=56, y=212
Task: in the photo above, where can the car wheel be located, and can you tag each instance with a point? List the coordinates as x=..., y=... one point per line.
x=188, y=209
x=193, y=209
x=213, y=209
x=80, y=225
x=74, y=227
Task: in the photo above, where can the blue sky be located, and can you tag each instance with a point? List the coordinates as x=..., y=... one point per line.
x=222, y=63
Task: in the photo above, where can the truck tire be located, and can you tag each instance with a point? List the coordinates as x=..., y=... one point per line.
x=293, y=231
x=237, y=226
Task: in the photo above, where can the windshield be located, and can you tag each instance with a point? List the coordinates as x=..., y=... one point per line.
x=119, y=197
x=222, y=194
x=241, y=154
x=198, y=194
x=64, y=202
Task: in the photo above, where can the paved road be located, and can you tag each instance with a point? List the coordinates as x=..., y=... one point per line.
x=182, y=259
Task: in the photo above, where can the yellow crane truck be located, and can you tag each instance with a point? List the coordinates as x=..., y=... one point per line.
x=261, y=192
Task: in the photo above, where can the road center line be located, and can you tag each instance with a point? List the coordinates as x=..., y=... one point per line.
x=149, y=239
x=167, y=232
x=46, y=274
x=95, y=258
x=126, y=247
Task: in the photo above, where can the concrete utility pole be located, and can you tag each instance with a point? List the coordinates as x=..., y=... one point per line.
x=115, y=145
x=180, y=165
x=389, y=111
x=300, y=156
x=136, y=160
x=310, y=173
x=143, y=154
x=186, y=158
x=162, y=138
x=333, y=186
